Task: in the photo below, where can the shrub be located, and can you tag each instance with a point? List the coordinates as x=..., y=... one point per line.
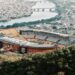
x=42, y=64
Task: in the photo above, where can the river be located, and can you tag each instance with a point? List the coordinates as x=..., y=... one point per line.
x=35, y=16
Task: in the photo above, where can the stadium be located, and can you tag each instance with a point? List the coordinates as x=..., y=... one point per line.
x=31, y=40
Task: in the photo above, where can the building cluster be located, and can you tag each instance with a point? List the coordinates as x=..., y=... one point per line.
x=15, y=8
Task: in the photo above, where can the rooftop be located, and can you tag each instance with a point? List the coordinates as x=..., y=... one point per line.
x=41, y=40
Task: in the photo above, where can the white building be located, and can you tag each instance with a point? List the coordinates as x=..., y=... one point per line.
x=43, y=6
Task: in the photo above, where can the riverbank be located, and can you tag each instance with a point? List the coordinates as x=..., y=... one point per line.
x=34, y=17
x=47, y=21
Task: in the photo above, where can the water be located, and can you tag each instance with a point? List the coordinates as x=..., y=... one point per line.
x=35, y=15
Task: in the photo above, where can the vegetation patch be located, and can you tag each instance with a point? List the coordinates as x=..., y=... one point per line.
x=53, y=63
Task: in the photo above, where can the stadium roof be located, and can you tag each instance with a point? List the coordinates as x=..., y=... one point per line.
x=25, y=43
x=36, y=30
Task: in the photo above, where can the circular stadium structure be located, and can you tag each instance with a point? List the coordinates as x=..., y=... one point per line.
x=34, y=41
